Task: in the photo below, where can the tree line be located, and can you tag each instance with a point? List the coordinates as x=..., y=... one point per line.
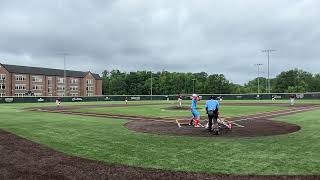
x=117, y=82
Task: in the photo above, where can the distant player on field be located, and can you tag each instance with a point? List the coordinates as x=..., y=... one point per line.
x=196, y=115
x=180, y=100
x=292, y=99
x=126, y=100
x=58, y=101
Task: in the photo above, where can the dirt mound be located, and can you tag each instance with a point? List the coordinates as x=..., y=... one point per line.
x=252, y=128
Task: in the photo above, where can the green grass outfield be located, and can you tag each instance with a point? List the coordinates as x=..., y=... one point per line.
x=107, y=140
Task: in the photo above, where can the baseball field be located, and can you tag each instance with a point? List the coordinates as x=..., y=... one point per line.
x=142, y=140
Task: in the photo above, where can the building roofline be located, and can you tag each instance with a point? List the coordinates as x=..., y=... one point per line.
x=46, y=71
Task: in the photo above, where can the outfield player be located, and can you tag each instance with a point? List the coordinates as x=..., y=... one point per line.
x=58, y=101
x=180, y=100
x=195, y=113
x=126, y=100
x=292, y=98
x=212, y=108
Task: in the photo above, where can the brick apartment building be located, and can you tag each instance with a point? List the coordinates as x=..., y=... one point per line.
x=23, y=80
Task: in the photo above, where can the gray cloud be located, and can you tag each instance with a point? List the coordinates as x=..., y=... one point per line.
x=183, y=35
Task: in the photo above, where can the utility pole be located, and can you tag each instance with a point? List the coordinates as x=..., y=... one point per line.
x=268, y=51
x=258, y=65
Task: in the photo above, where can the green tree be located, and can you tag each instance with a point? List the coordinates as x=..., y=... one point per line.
x=252, y=86
x=293, y=80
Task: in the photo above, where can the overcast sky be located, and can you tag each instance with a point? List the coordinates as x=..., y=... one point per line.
x=215, y=36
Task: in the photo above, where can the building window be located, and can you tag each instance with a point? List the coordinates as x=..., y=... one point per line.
x=37, y=87
x=73, y=81
x=20, y=77
x=20, y=87
x=49, y=89
x=49, y=81
x=61, y=80
x=2, y=86
x=2, y=94
x=74, y=94
x=89, y=81
x=60, y=94
x=19, y=94
x=36, y=79
x=60, y=88
x=2, y=77
x=90, y=88
x=89, y=94
x=73, y=88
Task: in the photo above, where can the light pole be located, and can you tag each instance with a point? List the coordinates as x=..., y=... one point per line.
x=194, y=86
x=151, y=86
x=64, y=54
x=258, y=65
x=268, y=51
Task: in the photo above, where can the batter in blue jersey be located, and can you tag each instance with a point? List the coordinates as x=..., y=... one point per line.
x=196, y=115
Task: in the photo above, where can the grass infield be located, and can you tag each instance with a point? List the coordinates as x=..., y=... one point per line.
x=107, y=140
